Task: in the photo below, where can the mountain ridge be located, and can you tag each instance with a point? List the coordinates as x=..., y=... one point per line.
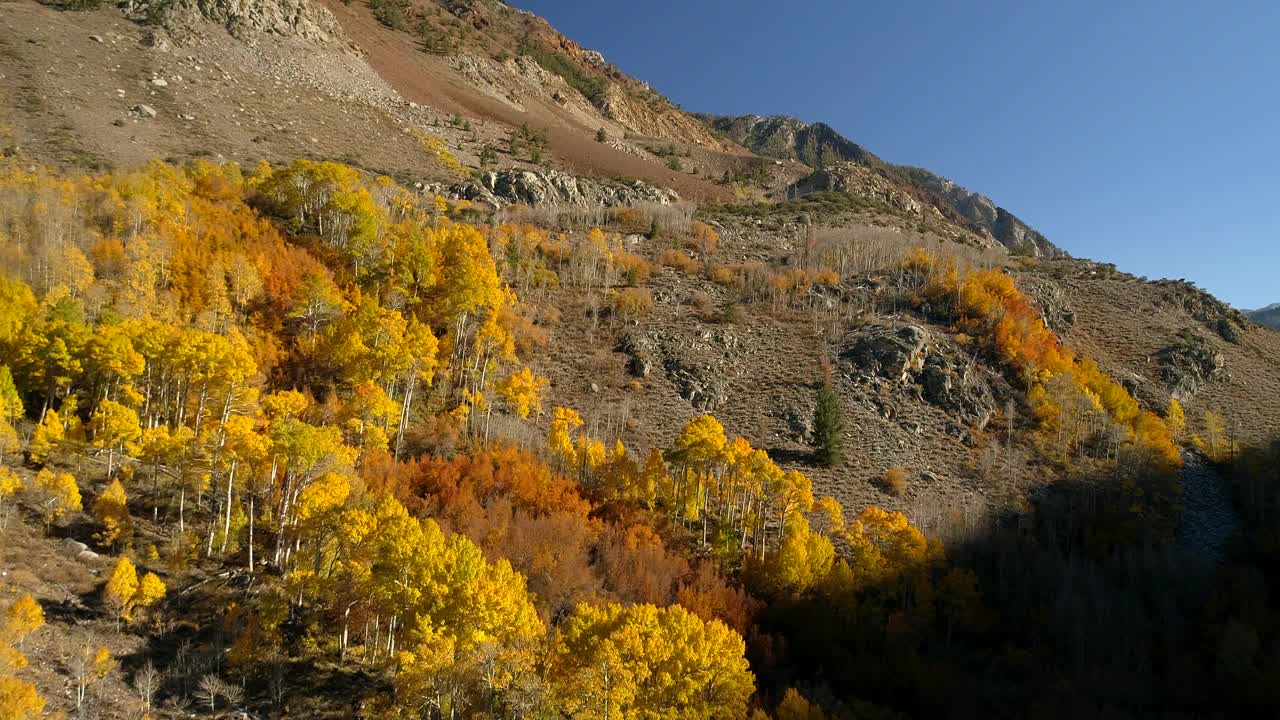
x=819, y=146
x=1269, y=315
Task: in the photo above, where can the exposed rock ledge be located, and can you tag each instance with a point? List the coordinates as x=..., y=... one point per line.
x=246, y=20
x=554, y=188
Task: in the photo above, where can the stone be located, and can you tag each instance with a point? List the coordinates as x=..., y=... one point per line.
x=96, y=38
x=156, y=40
x=145, y=110
x=87, y=556
x=73, y=547
x=159, y=82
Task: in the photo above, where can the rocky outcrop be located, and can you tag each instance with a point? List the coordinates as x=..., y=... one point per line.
x=908, y=357
x=246, y=20
x=1188, y=364
x=701, y=385
x=889, y=353
x=979, y=213
x=552, y=188
x=958, y=388
x=699, y=367
x=1051, y=300
x=859, y=181
x=639, y=352
x=1217, y=316
x=788, y=138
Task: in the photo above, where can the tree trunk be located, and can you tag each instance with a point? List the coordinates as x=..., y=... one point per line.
x=226, y=527
x=251, y=512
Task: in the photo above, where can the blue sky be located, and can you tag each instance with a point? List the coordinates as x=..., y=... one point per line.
x=1141, y=133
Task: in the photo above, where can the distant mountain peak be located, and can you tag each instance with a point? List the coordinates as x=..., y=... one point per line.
x=1269, y=315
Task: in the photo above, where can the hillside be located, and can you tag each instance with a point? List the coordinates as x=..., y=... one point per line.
x=1269, y=315
x=828, y=153
x=407, y=359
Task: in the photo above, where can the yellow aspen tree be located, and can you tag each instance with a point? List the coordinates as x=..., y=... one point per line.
x=795, y=706
x=1176, y=418
x=22, y=618
x=115, y=428
x=120, y=590
x=19, y=700
x=522, y=391
x=55, y=493
x=46, y=438
x=10, y=484
x=112, y=510
x=653, y=478
x=559, y=442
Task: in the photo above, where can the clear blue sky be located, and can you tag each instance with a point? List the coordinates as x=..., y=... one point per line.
x=1141, y=133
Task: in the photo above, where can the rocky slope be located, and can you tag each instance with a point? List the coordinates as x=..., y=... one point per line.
x=822, y=148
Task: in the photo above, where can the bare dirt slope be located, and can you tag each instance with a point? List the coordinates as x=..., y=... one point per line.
x=570, y=125
x=72, y=84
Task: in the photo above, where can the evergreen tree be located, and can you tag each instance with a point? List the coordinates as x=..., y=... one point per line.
x=828, y=427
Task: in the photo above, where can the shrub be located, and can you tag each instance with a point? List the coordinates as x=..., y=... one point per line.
x=705, y=306
x=631, y=303
x=895, y=480
x=723, y=275
x=679, y=261
x=634, y=267
x=626, y=217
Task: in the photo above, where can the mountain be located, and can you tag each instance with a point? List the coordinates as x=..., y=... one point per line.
x=1269, y=315
x=822, y=148
x=434, y=367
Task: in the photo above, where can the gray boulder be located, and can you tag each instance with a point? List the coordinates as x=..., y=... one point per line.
x=959, y=389
x=888, y=353
x=1189, y=364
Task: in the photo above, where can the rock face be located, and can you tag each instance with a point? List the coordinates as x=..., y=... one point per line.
x=818, y=145
x=906, y=356
x=958, y=388
x=859, y=181
x=551, y=187
x=889, y=353
x=1188, y=364
x=787, y=138
x=247, y=20
x=699, y=367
